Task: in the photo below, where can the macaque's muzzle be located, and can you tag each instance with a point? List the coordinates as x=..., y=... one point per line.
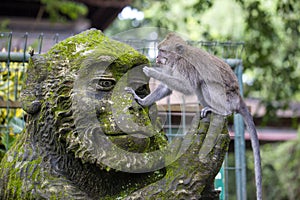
x=160, y=60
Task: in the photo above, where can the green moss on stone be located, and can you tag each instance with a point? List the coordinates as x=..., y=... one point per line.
x=91, y=46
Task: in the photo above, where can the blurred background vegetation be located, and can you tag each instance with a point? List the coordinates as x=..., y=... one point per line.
x=269, y=28
x=271, y=32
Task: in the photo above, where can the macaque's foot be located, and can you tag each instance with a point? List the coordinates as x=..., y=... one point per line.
x=204, y=112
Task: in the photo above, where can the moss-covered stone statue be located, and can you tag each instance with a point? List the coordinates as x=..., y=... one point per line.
x=86, y=138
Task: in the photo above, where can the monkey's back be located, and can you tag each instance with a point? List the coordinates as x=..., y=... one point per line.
x=218, y=82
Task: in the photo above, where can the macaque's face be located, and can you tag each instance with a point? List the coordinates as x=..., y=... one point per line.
x=170, y=50
x=165, y=57
x=161, y=58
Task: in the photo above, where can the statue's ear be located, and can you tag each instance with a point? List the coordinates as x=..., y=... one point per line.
x=179, y=48
x=32, y=94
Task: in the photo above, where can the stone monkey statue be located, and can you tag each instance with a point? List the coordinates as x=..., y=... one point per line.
x=81, y=140
x=191, y=70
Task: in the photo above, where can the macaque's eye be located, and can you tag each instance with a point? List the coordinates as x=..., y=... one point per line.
x=105, y=84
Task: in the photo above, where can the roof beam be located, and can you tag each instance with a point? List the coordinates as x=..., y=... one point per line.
x=107, y=3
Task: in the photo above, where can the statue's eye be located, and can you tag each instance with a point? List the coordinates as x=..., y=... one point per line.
x=105, y=84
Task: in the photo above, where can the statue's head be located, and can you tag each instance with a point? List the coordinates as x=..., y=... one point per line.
x=77, y=91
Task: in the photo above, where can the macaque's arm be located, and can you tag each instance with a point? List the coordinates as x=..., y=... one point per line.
x=174, y=83
x=160, y=92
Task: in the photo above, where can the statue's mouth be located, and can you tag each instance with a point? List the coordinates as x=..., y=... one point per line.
x=129, y=134
x=137, y=134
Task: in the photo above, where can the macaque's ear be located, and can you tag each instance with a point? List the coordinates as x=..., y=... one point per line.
x=179, y=48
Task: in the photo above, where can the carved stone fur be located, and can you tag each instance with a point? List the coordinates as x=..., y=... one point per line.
x=82, y=140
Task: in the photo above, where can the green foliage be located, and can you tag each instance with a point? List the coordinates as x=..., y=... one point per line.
x=17, y=125
x=270, y=30
x=4, y=25
x=6, y=140
x=9, y=134
x=272, y=53
x=182, y=16
x=280, y=164
x=11, y=120
x=59, y=10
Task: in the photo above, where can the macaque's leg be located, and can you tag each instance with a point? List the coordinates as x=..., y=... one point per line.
x=205, y=107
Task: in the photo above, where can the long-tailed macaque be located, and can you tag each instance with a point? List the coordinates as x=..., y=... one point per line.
x=191, y=70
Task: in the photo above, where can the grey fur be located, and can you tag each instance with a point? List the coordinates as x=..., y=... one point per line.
x=191, y=70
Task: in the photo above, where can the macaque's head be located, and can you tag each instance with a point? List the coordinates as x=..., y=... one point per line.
x=171, y=49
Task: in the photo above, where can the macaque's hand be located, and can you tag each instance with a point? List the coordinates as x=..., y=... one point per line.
x=131, y=91
x=150, y=72
x=135, y=96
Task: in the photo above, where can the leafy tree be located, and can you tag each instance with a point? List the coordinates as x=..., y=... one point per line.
x=270, y=30
x=271, y=35
x=60, y=10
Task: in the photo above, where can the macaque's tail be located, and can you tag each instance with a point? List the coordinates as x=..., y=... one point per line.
x=255, y=146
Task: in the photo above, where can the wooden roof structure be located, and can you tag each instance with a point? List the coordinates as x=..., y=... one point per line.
x=100, y=15
x=103, y=12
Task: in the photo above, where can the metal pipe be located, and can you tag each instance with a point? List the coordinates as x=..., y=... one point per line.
x=239, y=141
x=14, y=57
